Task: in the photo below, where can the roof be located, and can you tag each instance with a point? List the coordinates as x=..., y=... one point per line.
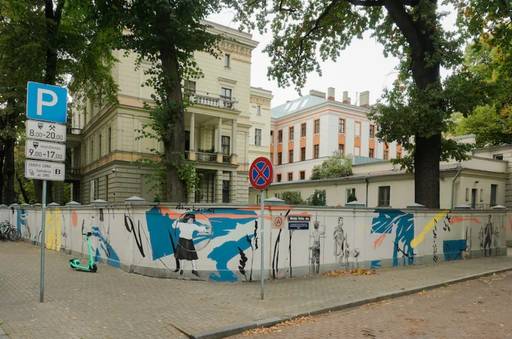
x=292, y=106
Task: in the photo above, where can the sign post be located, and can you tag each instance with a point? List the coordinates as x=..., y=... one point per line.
x=45, y=145
x=260, y=176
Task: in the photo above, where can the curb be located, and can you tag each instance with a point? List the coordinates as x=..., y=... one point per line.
x=235, y=329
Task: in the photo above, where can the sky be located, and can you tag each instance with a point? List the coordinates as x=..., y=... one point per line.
x=360, y=67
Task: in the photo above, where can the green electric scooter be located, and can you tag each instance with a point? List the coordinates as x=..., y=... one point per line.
x=90, y=266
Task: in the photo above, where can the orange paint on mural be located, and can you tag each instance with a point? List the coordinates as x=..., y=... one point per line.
x=456, y=220
x=377, y=242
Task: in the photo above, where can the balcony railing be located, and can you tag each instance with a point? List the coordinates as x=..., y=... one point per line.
x=212, y=100
x=73, y=130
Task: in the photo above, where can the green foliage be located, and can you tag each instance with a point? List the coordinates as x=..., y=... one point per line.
x=334, y=167
x=291, y=198
x=318, y=198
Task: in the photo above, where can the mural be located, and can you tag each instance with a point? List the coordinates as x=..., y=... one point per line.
x=402, y=225
x=223, y=244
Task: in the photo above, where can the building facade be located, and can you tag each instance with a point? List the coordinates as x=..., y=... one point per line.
x=308, y=130
x=109, y=155
x=478, y=183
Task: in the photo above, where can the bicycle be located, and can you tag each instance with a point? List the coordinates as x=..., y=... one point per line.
x=9, y=232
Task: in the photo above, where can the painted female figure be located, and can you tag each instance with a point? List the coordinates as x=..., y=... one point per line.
x=186, y=249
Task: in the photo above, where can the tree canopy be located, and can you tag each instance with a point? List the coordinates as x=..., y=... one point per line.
x=335, y=166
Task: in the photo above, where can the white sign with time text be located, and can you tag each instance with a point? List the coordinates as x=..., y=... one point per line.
x=47, y=131
x=43, y=150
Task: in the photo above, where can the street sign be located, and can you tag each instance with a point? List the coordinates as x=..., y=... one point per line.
x=44, y=170
x=298, y=222
x=277, y=222
x=260, y=173
x=46, y=131
x=46, y=102
x=43, y=150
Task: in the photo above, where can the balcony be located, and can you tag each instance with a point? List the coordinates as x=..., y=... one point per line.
x=73, y=135
x=72, y=173
x=211, y=157
x=211, y=100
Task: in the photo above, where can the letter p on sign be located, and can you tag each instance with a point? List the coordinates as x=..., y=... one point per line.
x=47, y=102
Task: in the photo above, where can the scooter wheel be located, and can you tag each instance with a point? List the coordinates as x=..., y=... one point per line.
x=94, y=268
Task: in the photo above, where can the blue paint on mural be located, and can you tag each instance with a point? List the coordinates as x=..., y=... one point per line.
x=375, y=264
x=21, y=219
x=222, y=220
x=452, y=249
x=110, y=253
x=384, y=222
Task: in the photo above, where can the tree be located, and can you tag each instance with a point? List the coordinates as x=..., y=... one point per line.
x=167, y=34
x=334, y=167
x=52, y=42
x=489, y=56
x=416, y=111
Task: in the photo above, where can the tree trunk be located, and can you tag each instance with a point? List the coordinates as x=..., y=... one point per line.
x=2, y=178
x=426, y=170
x=24, y=193
x=420, y=34
x=8, y=171
x=174, y=136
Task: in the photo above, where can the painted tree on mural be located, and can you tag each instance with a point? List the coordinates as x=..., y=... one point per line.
x=416, y=111
x=52, y=42
x=167, y=34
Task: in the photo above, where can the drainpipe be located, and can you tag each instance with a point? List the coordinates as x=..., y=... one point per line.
x=367, y=182
x=459, y=170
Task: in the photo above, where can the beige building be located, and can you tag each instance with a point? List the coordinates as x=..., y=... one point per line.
x=480, y=182
x=222, y=125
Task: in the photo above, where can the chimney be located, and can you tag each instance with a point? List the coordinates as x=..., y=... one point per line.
x=364, y=99
x=330, y=94
x=317, y=94
x=346, y=99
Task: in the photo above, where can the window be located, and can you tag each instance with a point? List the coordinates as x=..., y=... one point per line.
x=467, y=194
x=494, y=192
x=302, y=175
x=225, y=141
x=386, y=154
x=357, y=151
x=291, y=133
x=225, y=191
x=371, y=153
x=271, y=137
x=258, y=110
x=226, y=95
x=341, y=126
x=92, y=149
x=290, y=176
x=384, y=196
x=372, y=131
x=99, y=147
x=341, y=149
x=351, y=194
x=271, y=157
x=110, y=139
x=317, y=126
x=279, y=158
x=257, y=136
x=96, y=188
x=316, y=151
x=303, y=129
x=357, y=127
x=481, y=195
x=227, y=60
x=280, y=136
x=302, y=153
x=497, y=156
x=106, y=187
x=290, y=156
x=189, y=87
x=279, y=178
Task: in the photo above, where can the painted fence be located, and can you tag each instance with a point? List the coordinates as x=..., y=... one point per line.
x=223, y=243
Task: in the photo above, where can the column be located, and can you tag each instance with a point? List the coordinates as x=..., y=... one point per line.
x=233, y=186
x=192, y=150
x=219, y=141
x=218, y=187
x=234, y=135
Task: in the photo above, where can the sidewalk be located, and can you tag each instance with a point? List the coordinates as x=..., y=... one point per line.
x=115, y=304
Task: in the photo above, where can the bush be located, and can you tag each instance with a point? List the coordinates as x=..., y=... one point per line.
x=292, y=198
x=318, y=198
x=334, y=167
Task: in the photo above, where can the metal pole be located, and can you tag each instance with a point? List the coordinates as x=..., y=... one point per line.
x=43, y=221
x=262, y=240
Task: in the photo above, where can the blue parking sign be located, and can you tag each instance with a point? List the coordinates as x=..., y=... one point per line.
x=47, y=102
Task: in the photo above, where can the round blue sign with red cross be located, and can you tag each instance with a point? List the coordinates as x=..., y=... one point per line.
x=260, y=173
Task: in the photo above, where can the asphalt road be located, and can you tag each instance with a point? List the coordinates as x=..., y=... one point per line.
x=480, y=308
